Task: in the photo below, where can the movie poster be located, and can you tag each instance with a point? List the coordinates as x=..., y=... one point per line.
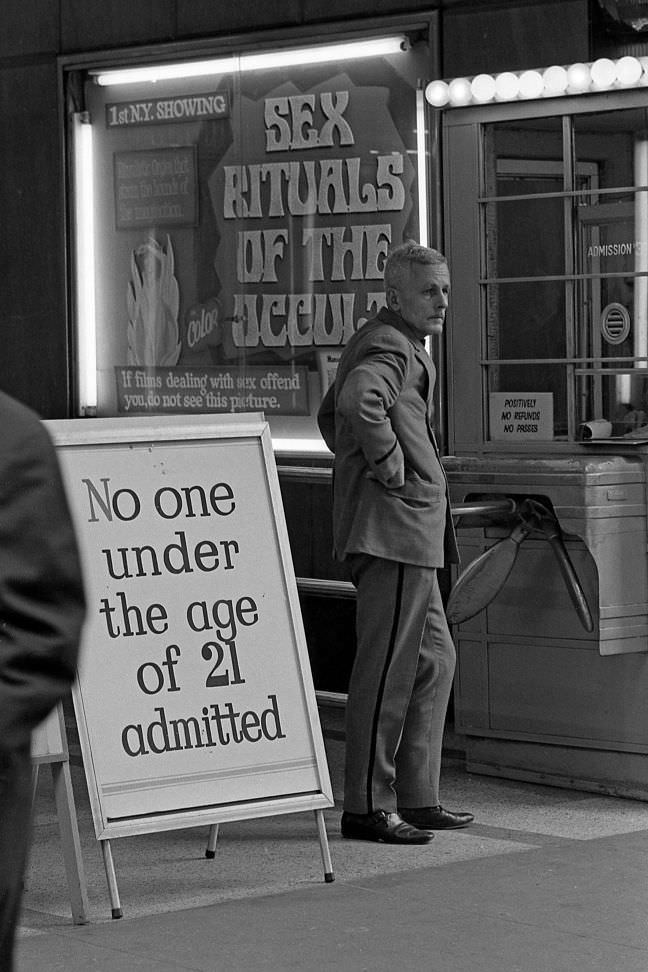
x=242, y=224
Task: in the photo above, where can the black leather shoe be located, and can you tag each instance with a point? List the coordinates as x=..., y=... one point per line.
x=435, y=818
x=386, y=828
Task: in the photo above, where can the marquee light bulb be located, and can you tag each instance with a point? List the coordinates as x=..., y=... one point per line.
x=603, y=73
x=578, y=77
x=531, y=84
x=555, y=80
x=483, y=87
x=459, y=92
x=437, y=94
x=507, y=86
x=628, y=70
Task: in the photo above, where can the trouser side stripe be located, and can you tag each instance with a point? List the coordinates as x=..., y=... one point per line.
x=381, y=688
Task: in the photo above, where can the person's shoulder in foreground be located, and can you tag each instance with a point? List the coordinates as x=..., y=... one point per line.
x=42, y=600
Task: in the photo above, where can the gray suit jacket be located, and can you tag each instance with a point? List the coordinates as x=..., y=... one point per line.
x=390, y=496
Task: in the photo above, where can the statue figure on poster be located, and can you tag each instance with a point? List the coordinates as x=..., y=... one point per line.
x=153, y=303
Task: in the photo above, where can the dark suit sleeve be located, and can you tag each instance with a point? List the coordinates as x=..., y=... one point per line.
x=42, y=603
x=368, y=393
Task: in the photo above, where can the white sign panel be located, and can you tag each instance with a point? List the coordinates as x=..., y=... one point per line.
x=521, y=415
x=194, y=698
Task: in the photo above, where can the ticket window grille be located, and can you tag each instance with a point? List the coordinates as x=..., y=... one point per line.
x=560, y=259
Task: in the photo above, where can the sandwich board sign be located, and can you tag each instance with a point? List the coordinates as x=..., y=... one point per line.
x=194, y=698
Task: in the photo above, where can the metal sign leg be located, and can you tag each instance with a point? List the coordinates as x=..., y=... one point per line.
x=111, y=877
x=211, y=842
x=329, y=877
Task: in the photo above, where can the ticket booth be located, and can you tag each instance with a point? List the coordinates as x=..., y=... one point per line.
x=545, y=209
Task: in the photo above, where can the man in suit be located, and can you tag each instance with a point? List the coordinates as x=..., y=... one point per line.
x=392, y=524
x=42, y=609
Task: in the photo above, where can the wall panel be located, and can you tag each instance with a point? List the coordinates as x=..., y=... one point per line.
x=20, y=35
x=90, y=24
x=318, y=10
x=200, y=17
x=509, y=39
x=33, y=363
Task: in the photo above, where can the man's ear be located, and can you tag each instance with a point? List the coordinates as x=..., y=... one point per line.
x=391, y=294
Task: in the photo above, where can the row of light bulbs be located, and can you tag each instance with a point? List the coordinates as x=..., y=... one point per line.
x=601, y=75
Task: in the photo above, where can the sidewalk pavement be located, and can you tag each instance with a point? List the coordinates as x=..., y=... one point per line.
x=546, y=880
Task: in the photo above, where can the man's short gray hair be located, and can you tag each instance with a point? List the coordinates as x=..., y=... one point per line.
x=402, y=257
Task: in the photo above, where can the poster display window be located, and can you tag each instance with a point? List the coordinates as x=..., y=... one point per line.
x=240, y=221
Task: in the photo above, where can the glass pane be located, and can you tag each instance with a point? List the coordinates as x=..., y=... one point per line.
x=525, y=236
x=526, y=320
x=608, y=299
x=613, y=142
x=516, y=148
x=612, y=255
x=616, y=404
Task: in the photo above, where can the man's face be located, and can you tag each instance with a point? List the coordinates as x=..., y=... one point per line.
x=422, y=298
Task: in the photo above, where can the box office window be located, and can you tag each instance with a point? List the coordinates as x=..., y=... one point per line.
x=241, y=223
x=561, y=264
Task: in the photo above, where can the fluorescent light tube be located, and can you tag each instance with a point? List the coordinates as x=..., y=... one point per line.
x=85, y=268
x=166, y=72
x=350, y=50
x=288, y=57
